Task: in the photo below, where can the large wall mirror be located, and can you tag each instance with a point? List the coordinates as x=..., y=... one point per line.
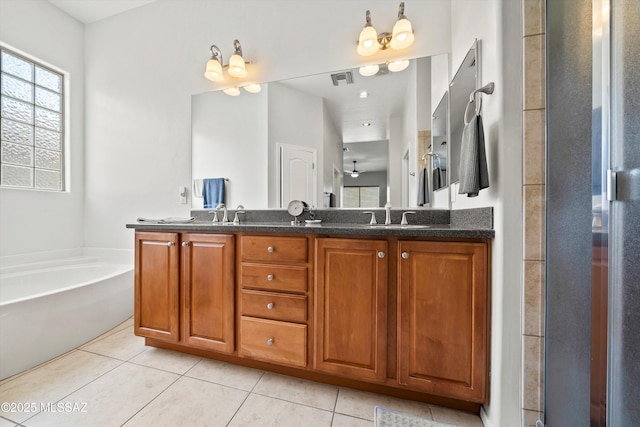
x=336, y=139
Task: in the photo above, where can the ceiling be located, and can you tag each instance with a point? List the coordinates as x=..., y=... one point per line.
x=88, y=11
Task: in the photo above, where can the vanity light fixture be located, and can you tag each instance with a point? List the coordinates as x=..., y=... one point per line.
x=401, y=37
x=236, y=68
x=369, y=70
x=396, y=66
x=232, y=91
x=252, y=88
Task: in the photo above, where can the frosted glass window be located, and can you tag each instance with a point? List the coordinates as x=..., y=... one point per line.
x=32, y=134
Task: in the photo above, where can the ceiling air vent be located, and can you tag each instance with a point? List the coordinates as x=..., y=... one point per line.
x=347, y=76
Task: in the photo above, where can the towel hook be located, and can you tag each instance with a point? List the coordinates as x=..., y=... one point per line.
x=488, y=89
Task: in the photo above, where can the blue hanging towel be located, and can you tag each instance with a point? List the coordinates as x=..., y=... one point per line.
x=213, y=192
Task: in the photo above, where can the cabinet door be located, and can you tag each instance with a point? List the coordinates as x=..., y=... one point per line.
x=443, y=318
x=208, y=291
x=351, y=307
x=156, y=286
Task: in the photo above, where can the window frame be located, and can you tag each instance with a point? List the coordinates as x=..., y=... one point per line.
x=64, y=120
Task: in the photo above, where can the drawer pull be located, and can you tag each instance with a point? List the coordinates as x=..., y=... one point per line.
x=169, y=243
x=380, y=254
x=405, y=255
x=185, y=244
x=270, y=249
x=270, y=341
x=270, y=306
x=269, y=277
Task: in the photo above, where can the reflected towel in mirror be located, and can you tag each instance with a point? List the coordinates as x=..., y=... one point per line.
x=423, y=188
x=474, y=174
x=212, y=192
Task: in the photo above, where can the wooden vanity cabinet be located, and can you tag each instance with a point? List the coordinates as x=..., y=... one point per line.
x=443, y=314
x=184, y=289
x=156, y=284
x=351, y=308
x=273, y=286
x=208, y=287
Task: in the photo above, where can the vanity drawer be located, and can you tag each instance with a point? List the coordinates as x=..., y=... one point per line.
x=272, y=277
x=269, y=305
x=273, y=249
x=273, y=341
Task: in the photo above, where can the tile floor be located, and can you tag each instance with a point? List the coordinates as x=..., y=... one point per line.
x=115, y=380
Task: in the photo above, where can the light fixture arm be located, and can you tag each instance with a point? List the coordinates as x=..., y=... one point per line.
x=238, y=47
x=401, y=11
x=216, y=53
x=368, y=19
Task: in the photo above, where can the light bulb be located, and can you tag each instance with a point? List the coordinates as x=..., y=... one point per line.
x=213, y=70
x=369, y=70
x=368, y=41
x=232, y=91
x=402, y=34
x=400, y=65
x=236, y=66
x=252, y=88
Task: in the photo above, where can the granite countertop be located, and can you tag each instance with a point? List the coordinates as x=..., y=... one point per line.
x=442, y=225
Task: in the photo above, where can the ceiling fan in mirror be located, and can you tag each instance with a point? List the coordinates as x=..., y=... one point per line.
x=355, y=172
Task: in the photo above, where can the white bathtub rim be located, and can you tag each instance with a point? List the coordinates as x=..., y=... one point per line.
x=119, y=269
x=115, y=255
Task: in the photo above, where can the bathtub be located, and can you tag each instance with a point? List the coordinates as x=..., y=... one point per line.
x=51, y=303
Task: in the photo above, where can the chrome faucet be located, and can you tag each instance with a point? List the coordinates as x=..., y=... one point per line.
x=404, y=217
x=225, y=218
x=236, y=220
x=387, y=217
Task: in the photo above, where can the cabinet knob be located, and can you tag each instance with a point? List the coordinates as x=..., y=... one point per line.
x=185, y=244
x=270, y=306
x=269, y=277
x=270, y=249
x=170, y=243
x=405, y=255
x=380, y=254
x=270, y=341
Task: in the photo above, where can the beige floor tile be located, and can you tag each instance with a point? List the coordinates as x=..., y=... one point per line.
x=191, y=402
x=6, y=423
x=166, y=360
x=318, y=395
x=456, y=418
x=53, y=381
x=340, y=420
x=127, y=324
x=121, y=345
x=225, y=374
x=361, y=404
x=111, y=399
x=265, y=411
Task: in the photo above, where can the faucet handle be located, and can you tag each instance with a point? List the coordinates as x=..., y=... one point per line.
x=373, y=217
x=215, y=216
x=404, y=217
x=236, y=220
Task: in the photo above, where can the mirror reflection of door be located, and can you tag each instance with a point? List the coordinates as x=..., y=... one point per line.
x=405, y=178
x=297, y=173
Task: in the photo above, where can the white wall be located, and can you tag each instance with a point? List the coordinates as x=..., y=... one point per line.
x=295, y=118
x=232, y=127
x=498, y=23
x=33, y=221
x=332, y=152
x=143, y=66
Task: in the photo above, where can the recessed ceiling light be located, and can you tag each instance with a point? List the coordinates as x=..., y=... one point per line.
x=364, y=94
x=366, y=124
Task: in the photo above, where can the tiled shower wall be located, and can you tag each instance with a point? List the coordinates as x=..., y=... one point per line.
x=533, y=167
